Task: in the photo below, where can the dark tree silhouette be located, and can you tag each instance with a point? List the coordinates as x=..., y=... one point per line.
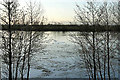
x=95, y=47
x=18, y=46
x=10, y=7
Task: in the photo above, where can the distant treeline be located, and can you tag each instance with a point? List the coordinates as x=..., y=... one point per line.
x=82, y=28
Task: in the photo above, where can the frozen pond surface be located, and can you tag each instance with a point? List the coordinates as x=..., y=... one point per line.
x=59, y=60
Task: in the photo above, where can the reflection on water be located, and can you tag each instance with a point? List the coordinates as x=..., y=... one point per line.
x=62, y=57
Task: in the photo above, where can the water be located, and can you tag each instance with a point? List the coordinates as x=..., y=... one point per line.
x=61, y=57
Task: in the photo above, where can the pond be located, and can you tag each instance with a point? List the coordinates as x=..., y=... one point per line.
x=62, y=56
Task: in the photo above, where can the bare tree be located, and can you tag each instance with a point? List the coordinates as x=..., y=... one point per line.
x=90, y=18
x=116, y=21
x=95, y=47
x=10, y=11
x=34, y=12
x=22, y=44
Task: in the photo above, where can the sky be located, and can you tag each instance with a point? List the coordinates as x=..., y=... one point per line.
x=58, y=10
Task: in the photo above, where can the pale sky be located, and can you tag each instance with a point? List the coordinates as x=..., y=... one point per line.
x=58, y=10
x=62, y=10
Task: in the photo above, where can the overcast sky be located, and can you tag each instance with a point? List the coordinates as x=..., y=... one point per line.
x=58, y=10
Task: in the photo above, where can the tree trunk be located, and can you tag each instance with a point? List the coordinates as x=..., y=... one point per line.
x=10, y=53
x=23, y=67
x=105, y=59
x=108, y=54
x=29, y=56
x=99, y=66
x=16, y=71
x=94, y=55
